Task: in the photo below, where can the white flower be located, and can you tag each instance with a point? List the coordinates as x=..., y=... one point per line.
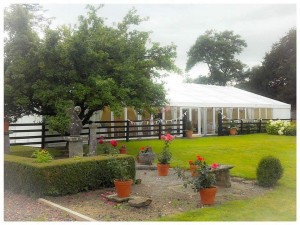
x=280, y=132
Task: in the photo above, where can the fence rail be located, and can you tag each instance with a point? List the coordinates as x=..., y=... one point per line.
x=245, y=126
x=39, y=133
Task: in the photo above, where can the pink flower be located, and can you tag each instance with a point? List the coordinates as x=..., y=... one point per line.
x=169, y=137
x=214, y=165
x=114, y=143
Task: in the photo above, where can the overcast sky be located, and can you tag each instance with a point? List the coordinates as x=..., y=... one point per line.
x=260, y=25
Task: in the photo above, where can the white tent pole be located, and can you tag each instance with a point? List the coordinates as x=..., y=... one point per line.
x=205, y=121
x=151, y=123
x=199, y=121
x=214, y=119
x=238, y=113
x=245, y=113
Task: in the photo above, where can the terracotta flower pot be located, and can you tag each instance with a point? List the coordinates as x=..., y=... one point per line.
x=208, y=195
x=233, y=131
x=122, y=151
x=193, y=169
x=163, y=169
x=123, y=188
x=189, y=133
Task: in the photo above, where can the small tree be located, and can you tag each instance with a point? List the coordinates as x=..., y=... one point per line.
x=91, y=65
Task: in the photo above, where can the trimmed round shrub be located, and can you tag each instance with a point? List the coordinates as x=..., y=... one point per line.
x=269, y=171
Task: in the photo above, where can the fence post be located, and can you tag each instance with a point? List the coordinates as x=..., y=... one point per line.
x=43, y=144
x=159, y=128
x=127, y=130
x=259, y=128
x=184, y=123
x=220, y=124
x=242, y=127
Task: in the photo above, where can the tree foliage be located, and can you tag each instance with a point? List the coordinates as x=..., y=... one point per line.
x=92, y=65
x=218, y=51
x=276, y=78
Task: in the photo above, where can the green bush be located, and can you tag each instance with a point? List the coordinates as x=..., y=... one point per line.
x=42, y=156
x=61, y=177
x=291, y=130
x=277, y=127
x=269, y=171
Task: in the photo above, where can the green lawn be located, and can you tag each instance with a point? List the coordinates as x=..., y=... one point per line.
x=244, y=152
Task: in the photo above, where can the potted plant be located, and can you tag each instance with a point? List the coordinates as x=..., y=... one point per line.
x=164, y=157
x=232, y=128
x=121, y=177
x=203, y=181
x=189, y=129
x=194, y=164
x=146, y=156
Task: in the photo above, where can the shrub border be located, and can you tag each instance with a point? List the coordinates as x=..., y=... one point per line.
x=62, y=176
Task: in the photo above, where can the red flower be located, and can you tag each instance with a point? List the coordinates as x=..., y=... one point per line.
x=214, y=165
x=101, y=141
x=199, y=158
x=142, y=148
x=114, y=143
x=191, y=162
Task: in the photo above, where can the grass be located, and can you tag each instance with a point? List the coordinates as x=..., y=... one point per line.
x=244, y=153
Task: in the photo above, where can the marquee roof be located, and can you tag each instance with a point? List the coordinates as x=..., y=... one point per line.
x=199, y=95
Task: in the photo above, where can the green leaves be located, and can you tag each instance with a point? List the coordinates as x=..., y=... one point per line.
x=279, y=64
x=92, y=65
x=218, y=51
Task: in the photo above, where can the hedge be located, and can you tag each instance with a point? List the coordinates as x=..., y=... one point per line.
x=62, y=176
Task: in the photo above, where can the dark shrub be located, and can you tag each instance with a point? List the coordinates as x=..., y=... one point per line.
x=269, y=171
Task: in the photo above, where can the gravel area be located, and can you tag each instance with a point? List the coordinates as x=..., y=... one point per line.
x=20, y=207
x=167, y=193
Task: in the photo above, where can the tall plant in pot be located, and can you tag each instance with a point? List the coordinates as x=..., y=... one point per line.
x=232, y=128
x=189, y=129
x=164, y=157
x=203, y=181
x=121, y=177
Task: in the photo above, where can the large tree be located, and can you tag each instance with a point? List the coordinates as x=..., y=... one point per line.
x=92, y=65
x=276, y=77
x=218, y=51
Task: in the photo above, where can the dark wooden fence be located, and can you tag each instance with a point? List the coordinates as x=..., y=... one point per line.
x=39, y=133
x=244, y=126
